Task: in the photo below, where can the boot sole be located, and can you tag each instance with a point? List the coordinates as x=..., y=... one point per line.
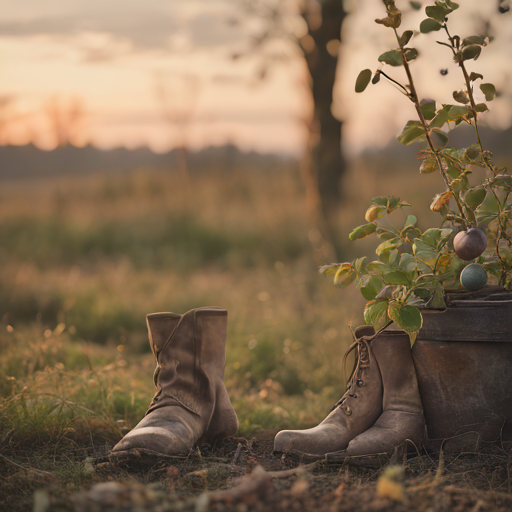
x=139, y=454
x=374, y=460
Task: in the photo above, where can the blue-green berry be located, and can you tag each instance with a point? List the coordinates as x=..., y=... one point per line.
x=473, y=277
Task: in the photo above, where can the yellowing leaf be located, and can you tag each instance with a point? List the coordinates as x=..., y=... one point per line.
x=374, y=212
x=440, y=200
x=344, y=277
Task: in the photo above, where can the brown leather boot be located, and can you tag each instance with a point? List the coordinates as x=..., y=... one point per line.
x=355, y=412
x=402, y=413
x=191, y=403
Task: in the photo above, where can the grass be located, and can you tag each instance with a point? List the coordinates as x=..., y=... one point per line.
x=83, y=260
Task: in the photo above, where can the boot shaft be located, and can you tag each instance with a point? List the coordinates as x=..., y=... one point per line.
x=190, y=353
x=392, y=350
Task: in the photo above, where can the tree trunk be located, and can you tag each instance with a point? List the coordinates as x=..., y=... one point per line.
x=324, y=21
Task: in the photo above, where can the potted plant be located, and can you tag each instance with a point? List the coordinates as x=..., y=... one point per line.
x=446, y=286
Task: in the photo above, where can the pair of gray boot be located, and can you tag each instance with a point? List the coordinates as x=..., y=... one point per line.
x=380, y=411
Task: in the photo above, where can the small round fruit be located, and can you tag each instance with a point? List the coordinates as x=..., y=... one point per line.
x=473, y=277
x=470, y=244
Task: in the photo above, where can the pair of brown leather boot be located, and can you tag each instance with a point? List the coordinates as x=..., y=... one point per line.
x=380, y=411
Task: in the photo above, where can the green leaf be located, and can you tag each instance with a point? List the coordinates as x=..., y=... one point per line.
x=393, y=203
x=407, y=263
x=380, y=201
x=362, y=231
x=489, y=90
x=442, y=117
x=376, y=77
x=410, y=221
x=359, y=263
x=396, y=277
x=493, y=267
x=415, y=5
x=459, y=184
x=363, y=80
x=472, y=153
x=391, y=57
x=481, y=107
x=412, y=234
x=344, y=277
x=376, y=313
x=437, y=12
x=385, y=235
x=471, y=52
x=429, y=165
x=468, y=41
x=412, y=132
x=470, y=215
x=389, y=257
x=488, y=210
x=474, y=198
x=461, y=96
x=475, y=76
x=428, y=109
x=389, y=244
x=457, y=113
x=430, y=25
x=451, y=5
x=407, y=318
x=406, y=37
x=372, y=288
x=377, y=266
x=442, y=137
x=410, y=54
x=387, y=292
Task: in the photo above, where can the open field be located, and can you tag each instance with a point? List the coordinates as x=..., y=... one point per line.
x=83, y=260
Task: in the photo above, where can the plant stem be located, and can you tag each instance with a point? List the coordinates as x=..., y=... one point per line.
x=405, y=91
x=413, y=96
x=502, y=224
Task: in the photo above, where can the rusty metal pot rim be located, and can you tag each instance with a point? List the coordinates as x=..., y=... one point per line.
x=470, y=304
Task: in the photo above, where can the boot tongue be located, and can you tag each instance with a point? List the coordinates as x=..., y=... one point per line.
x=364, y=330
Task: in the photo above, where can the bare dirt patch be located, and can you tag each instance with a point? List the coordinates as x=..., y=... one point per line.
x=244, y=475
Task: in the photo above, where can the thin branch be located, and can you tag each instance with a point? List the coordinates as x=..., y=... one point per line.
x=413, y=96
x=394, y=81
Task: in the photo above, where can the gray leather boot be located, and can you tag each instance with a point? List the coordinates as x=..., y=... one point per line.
x=191, y=404
x=402, y=412
x=355, y=412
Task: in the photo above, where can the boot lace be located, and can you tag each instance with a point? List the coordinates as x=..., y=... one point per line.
x=362, y=348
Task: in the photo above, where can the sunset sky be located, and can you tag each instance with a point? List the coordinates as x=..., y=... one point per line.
x=118, y=59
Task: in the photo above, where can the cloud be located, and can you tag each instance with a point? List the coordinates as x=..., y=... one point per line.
x=146, y=25
x=147, y=31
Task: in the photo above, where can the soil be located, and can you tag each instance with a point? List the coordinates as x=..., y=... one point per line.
x=244, y=475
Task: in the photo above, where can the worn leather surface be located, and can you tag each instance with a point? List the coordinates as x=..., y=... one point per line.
x=191, y=403
x=356, y=411
x=402, y=412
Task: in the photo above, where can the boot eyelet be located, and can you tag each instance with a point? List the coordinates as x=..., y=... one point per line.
x=348, y=411
x=360, y=383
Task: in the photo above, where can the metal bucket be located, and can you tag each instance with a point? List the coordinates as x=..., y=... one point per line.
x=463, y=359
